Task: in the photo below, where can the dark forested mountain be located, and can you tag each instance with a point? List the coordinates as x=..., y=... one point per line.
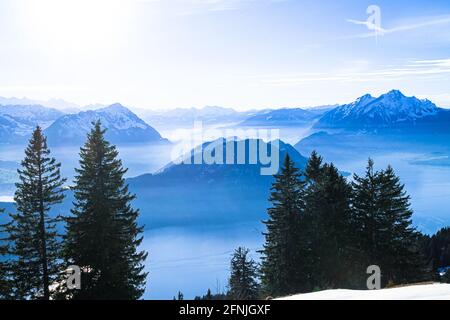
x=122, y=124
x=203, y=193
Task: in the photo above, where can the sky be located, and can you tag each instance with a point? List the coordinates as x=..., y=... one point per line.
x=245, y=54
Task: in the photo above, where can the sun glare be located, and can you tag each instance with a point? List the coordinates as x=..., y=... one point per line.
x=75, y=24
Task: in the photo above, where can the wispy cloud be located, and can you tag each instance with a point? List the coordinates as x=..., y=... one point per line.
x=419, y=23
x=414, y=68
x=369, y=25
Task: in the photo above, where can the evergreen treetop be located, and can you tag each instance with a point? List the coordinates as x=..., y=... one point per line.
x=243, y=284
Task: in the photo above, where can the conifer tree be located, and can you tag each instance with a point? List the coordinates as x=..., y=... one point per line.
x=35, y=242
x=446, y=277
x=366, y=221
x=179, y=297
x=327, y=211
x=102, y=234
x=403, y=261
x=314, y=167
x=284, y=256
x=243, y=284
x=438, y=249
x=383, y=226
x=5, y=283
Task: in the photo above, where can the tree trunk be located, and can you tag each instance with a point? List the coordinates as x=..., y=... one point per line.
x=43, y=239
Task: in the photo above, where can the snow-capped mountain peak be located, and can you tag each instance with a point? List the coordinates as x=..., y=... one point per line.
x=388, y=109
x=365, y=99
x=115, y=108
x=122, y=124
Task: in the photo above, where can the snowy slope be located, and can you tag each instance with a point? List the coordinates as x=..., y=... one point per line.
x=387, y=110
x=18, y=121
x=122, y=124
x=437, y=291
x=31, y=115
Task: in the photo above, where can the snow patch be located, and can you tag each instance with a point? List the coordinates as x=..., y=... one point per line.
x=436, y=291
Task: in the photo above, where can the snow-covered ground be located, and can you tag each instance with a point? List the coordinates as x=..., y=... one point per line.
x=437, y=291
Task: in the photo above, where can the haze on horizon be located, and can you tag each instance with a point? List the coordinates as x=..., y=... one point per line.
x=245, y=54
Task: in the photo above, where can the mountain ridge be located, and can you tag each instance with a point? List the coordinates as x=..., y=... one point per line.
x=389, y=109
x=17, y=122
x=123, y=126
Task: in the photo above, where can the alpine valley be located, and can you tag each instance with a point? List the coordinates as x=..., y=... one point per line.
x=214, y=208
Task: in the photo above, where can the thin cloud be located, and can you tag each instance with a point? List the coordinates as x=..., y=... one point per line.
x=426, y=22
x=422, y=68
x=369, y=25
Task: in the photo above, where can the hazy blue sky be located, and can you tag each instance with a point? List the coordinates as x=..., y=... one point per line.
x=238, y=53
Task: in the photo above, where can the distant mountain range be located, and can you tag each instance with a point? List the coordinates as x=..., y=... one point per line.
x=181, y=194
x=390, y=110
x=286, y=117
x=18, y=121
x=392, y=122
x=392, y=113
x=122, y=124
x=59, y=104
x=214, y=115
x=185, y=118
x=31, y=114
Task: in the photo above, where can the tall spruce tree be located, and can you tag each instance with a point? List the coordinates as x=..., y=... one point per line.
x=243, y=284
x=284, y=256
x=366, y=221
x=35, y=242
x=327, y=211
x=403, y=261
x=382, y=222
x=102, y=234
